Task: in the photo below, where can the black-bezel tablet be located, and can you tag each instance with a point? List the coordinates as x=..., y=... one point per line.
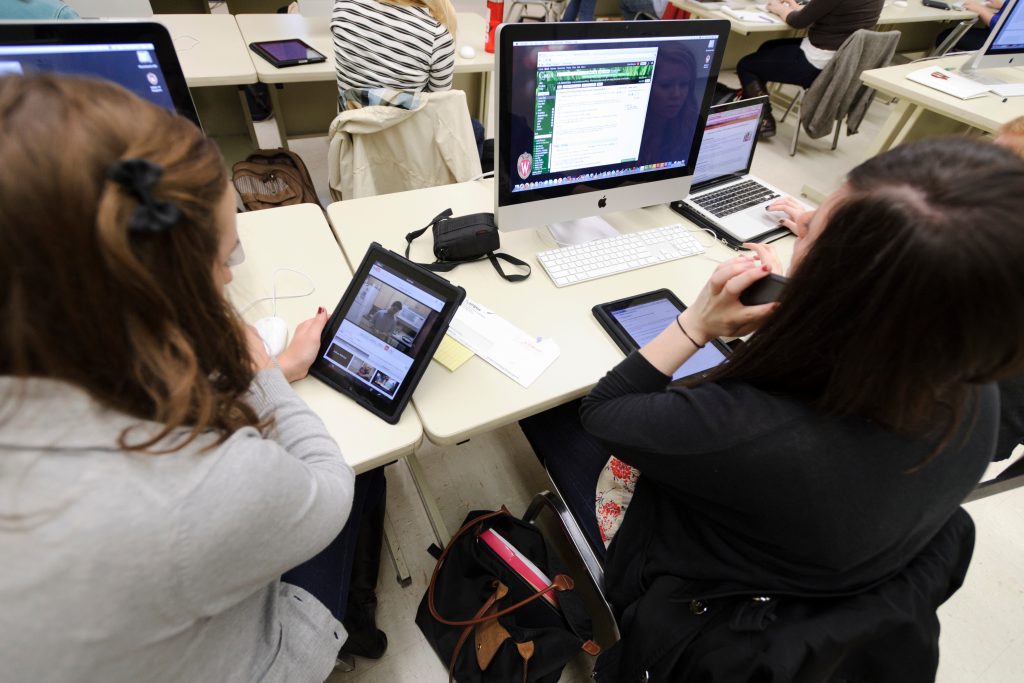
x=261, y=48
x=361, y=359
x=104, y=33
x=606, y=316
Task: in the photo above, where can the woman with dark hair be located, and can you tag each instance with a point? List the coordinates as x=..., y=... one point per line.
x=843, y=435
x=799, y=60
x=158, y=476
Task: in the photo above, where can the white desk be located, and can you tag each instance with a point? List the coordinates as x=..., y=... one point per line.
x=918, y=25
x=216, y=64
x=306, y=97
x=299, y=237
x=477, y=398
x=926, y=112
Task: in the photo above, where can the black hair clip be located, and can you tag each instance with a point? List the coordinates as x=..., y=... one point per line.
x=138, y=176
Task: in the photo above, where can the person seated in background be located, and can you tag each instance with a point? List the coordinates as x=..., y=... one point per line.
x=988, y=14
x=844, y=434
x=641, y=9
x=798, y=61
x=36, y=9
x=172, y=511
x=406, y=45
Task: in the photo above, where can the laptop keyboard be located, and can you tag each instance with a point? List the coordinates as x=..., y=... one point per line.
x=729, y=200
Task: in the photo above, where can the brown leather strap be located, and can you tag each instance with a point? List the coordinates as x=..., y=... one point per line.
x=491, y=634
x=525, y=651
x=498, y=588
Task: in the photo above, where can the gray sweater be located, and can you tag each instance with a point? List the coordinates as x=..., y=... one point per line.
x=129, y=567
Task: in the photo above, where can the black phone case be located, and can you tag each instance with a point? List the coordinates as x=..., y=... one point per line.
x=764, y=291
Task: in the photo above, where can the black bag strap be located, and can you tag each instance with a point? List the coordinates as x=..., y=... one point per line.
x=445, y=266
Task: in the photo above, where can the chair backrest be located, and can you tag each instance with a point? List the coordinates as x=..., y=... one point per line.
x=382, y=149
x=835, y=90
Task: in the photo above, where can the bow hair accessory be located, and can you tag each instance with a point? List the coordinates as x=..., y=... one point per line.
x=138, y=176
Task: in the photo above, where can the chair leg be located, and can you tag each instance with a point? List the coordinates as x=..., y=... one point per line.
x=799, y=96
x=796, y=136
x=835, y=138
x=402, y=574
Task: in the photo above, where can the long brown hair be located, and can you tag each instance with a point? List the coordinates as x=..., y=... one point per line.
x=911, y=295
x=136, y=320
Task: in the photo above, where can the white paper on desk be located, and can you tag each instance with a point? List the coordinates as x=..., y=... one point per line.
x=502, y=344
x=948, y=82
x=752, y=17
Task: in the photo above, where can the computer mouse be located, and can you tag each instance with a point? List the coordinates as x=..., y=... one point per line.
x=274, y=333
x=467, y=52
x=899, y=3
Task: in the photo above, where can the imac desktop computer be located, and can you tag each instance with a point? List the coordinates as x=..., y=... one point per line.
x=1004, y=46
x=599, y=117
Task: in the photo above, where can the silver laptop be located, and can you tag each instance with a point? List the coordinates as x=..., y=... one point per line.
x=724, y=195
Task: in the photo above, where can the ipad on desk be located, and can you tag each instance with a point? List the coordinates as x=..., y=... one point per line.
x=384, y=332
x=635, y=320
x=291, y=52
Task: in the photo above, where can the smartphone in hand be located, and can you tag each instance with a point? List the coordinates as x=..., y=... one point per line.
x=764, y=291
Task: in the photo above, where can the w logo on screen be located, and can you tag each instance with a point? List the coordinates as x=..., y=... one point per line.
x=523, y=165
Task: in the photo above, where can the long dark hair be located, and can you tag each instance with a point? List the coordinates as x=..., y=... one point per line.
x=911, y=294
x=137, y=321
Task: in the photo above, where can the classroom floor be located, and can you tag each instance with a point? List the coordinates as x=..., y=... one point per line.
x=982, y=625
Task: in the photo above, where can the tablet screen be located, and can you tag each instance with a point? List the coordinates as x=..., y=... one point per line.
x=645, y=320
x=290, y=50
x=378, y=337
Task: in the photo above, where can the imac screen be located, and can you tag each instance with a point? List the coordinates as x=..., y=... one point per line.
x=1010, y=38
x=603, y=109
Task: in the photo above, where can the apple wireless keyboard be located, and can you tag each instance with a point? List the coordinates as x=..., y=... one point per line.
x=591, y=260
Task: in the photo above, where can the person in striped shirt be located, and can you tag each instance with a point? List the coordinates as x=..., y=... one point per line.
x=405, y=45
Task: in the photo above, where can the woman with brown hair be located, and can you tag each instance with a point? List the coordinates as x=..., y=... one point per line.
x=157, y=473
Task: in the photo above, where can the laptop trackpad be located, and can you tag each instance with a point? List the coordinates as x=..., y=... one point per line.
x=750, y=223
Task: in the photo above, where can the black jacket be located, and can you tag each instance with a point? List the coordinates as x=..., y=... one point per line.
x=678, y=631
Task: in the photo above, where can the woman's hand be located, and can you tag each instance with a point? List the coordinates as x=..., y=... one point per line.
x=766, y=255
x=301, y=351
x=781, y=8
x=717, y=311
x=795, y=211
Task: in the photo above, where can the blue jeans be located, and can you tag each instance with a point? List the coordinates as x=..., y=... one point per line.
x=574, y=461
x=327, y=576
x=580, y=10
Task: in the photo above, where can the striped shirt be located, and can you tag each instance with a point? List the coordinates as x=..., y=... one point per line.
x=379, y=45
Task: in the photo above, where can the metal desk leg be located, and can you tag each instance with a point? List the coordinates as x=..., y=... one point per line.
x=402, y=574
x=428, y=499
x=893, y=129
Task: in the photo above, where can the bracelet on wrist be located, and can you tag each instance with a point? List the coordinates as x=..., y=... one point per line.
x=687, y=334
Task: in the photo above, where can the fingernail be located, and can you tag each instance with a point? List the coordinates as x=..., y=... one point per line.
x=765, y=268
x=321, y=310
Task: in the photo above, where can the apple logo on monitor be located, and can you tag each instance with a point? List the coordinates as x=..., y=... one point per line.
x=602, y=202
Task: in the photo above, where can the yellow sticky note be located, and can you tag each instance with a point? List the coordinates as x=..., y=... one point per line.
x=451, y=353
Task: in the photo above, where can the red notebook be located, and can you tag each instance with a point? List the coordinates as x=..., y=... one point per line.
x=519, y=563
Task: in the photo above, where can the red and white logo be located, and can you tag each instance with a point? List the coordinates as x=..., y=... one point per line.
x=524, y=164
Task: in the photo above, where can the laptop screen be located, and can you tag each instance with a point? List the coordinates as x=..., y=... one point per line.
x=728, y=142
x=132, y=65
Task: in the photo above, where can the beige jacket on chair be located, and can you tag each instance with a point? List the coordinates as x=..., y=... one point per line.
x=379, y=149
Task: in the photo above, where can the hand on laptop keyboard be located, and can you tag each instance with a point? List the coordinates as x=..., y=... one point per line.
x=793, y=211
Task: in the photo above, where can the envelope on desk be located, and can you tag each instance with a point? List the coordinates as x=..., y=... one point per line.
x=948, y=82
